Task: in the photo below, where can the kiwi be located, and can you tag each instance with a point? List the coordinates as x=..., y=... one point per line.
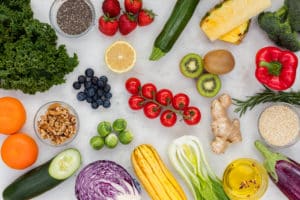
x=208, y=85
x=191, y=65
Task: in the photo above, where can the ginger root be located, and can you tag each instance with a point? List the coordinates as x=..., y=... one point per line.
x=226, y=131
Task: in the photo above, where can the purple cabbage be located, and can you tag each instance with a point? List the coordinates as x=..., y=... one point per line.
x=106, y=180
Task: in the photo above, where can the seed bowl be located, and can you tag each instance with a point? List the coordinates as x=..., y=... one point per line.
x=279, y=125
x=56, y=123
x=72, y=18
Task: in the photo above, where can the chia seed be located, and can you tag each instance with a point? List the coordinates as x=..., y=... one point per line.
x=74, y=17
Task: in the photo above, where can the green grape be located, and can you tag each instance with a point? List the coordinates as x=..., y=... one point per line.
x=125, y=137
x=111, y=140
x=119, y=125
x=104, y=128
x=97, y=142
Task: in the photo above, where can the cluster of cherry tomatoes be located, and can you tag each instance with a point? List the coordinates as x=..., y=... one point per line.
x=161, y=103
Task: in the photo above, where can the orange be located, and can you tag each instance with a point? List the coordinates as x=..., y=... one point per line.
x=19, y=151
x=120, y=57
x=12, y=115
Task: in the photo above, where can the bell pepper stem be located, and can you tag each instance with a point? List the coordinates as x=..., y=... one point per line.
x=271, y=159
x=273, y=67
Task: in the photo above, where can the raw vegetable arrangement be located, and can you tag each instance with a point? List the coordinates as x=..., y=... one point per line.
x=141, y=134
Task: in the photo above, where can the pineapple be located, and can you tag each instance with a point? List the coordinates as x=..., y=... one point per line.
x=236, y=35
x=229, y=14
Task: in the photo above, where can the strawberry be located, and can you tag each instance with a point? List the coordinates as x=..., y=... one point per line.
x=145, y=17
x=127, y=23
x=111, y=8
x=108, y=26
x=133, y=6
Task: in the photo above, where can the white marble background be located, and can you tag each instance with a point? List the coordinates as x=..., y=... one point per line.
x=164, y=74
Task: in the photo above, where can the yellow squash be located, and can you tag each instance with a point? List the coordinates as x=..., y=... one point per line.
x=154, y=176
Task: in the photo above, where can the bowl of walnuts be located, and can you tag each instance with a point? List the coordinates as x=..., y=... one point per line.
x=56, y=123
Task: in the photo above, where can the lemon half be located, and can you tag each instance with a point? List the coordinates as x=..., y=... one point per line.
x=120, y=57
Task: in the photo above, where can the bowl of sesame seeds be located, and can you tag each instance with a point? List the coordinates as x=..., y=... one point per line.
x=279, y=125
x=72, y=18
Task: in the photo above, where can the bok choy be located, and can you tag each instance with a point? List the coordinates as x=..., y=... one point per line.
x=188, y=158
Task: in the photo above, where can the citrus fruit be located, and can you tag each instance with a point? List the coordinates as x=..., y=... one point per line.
x=19, y=151
x=120, y=57
x=12, y=115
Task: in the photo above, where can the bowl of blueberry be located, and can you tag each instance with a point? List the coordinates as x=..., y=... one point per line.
x=93, y=89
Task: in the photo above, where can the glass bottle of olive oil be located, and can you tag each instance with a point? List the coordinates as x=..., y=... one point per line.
x=245, y=178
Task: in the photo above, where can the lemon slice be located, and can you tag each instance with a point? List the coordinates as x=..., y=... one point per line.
x=120, y=57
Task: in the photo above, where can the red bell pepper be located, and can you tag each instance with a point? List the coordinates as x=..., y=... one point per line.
x=276, y=68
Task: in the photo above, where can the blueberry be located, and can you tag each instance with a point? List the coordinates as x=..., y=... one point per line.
x=95, y=97
x=104, y=79
x=76, y=85
x=106, y=103
x=108, y=95
x=89, y=72
x=106, y=88
x=99, y=102
x=89, y=100
x=87, y=84
x=100, y=83
x=91, y=92
x=81, y=79
x=94, y=80
x=100, y=92
x=81, y=96
x=94, y=105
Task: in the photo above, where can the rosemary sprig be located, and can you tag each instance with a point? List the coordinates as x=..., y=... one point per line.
x=265, y=96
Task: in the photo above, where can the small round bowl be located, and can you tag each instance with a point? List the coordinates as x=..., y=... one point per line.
x=42, y=112
x=293, y=139
x=53, y=18
x=245, y=179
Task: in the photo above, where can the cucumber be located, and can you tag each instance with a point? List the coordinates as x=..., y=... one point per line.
x=44, y=177
x=179, y=18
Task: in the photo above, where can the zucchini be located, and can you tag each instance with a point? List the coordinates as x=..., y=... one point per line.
x=180, y=16
x=44, y=177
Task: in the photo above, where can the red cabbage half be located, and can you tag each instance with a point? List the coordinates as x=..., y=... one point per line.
x=106, y=180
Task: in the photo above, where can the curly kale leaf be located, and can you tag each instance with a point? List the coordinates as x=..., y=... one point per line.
x=29, y=57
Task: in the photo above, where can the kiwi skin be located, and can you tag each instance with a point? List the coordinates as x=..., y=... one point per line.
x=191, y=65
x=219, y=61
x=208, y=79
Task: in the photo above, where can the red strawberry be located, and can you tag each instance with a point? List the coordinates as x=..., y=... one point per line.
x=111, y=8
x=108, y=26
x=145, y=17
x=133, y=6
x=127, y=23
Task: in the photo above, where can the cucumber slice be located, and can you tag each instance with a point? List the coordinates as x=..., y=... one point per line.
x=65, y=164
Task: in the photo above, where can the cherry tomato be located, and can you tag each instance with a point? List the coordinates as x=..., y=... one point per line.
x=180, y=101
x=191, y=115
x=168, y=118
x=133, y=85
x=149, y=91
x=152, y=110
x=136, y=102
x=164, y=97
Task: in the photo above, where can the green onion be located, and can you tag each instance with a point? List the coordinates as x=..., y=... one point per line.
x=188, y=158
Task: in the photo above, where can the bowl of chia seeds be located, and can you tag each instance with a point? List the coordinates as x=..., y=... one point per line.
x=72, y=18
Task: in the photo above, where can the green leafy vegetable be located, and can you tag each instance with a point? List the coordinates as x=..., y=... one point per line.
x=29, y=58
x=265, y=96
x=279, y=28
x=188, y=158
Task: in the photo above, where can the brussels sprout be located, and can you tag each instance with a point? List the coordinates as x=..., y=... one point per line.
x=125, y=137
x=104, y=128
x=111, y=140
x=119, y=125
x=97, y=142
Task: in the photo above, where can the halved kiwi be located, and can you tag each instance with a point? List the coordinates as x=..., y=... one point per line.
x=208, y=85
x=191, y=65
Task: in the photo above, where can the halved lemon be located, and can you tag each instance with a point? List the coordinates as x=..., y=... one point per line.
x=120, y=57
